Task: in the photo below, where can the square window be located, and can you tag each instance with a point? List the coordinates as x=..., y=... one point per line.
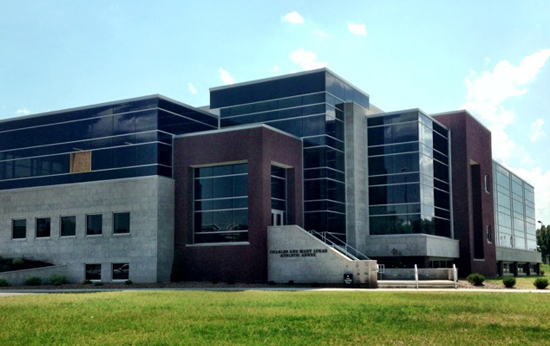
x=68, y=226
x=43, y=227
x=121, y=223
x=93, y=272
x=94, y=224
x=121, y=271
x=19, y=229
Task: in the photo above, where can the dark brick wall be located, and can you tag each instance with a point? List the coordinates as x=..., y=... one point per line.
x=472, y=206
x=259, y=146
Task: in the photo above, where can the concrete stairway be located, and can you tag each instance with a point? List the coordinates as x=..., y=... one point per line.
x=412, y=284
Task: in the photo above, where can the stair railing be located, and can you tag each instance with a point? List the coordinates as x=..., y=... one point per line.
x=333, y=241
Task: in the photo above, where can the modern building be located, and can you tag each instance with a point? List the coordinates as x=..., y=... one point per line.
x=151, y=189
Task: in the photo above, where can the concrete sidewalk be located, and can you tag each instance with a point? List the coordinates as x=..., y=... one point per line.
x=5, y=293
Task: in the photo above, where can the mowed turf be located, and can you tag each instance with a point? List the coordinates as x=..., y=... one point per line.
x=275, y=318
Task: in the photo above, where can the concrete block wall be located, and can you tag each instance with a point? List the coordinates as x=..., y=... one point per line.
x=295, y=255
x=148, y=248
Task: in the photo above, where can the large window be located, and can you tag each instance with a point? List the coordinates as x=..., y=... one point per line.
x=19, y=229
x=121, y=223
x=94, y=224
x=408, y=169
x=221, y=204
x=68, y=226
x=43, y=228
x=121, y=271
x=93, y=272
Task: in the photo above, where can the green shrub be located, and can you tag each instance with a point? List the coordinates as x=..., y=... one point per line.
x=17, y=261
x=509, y=281
x=476, y=279
x=33, y=281
x=541, y=283
x=4, y=282
x=128, y=282
x=98, y=283
x=86, y=282
x=58, y=280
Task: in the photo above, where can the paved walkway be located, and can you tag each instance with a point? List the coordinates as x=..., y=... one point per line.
x=6, y=293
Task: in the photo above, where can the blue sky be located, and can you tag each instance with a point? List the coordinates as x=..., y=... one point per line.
x=490, y=57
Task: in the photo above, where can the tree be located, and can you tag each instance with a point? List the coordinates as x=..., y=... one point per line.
x=543, y=242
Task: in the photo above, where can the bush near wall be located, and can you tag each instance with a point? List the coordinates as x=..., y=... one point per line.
x=476, y=279
x=509, y=282
x=541, y=283
x=33, y=281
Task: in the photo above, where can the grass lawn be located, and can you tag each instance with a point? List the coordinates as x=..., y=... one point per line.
x=524, y=282
x=275, y=318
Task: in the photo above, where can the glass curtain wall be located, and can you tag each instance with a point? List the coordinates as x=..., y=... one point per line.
x=309, y=106
x=131, y=138
x=221, y=204
x=514, y=202
x=408, y=169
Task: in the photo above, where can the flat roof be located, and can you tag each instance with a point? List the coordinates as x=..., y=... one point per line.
x=103, y=104
x=262, y=80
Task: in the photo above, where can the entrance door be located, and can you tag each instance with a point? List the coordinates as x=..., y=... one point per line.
x=277, y=217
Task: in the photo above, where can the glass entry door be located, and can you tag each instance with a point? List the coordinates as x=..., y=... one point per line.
x=277, y=217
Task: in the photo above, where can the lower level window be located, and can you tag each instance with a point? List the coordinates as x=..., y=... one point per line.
x=19, y=229
x=121, y=271
x=93, y=271
x=43, y=227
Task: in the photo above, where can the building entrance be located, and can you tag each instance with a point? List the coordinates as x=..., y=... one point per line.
x=277, y=217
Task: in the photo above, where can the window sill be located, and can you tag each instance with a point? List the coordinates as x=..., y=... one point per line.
x=67, y=236
x=122, y=234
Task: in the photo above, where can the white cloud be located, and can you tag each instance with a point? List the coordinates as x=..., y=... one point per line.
x=306, y=60
x=23, y=111
x=226, y=77
x=487, y=91
x=192, y=89
x=357, y=29
x=275, y=69
x=536, y=129
x=320, y=33
x=293, y=18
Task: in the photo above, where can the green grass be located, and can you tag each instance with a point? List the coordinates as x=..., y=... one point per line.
x=524, y=282
x=275, y=318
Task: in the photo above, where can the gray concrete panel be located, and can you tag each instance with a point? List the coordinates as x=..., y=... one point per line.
x=516, y=255
x=148, y=248
x=411, y=245
x=357, y=194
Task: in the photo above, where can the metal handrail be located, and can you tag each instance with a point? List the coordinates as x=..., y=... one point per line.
x=416, y=275
x=455, y=275
x=344, y=247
